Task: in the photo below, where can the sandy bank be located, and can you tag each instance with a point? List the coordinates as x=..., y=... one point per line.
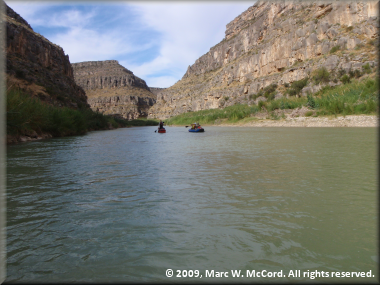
x=347, y=121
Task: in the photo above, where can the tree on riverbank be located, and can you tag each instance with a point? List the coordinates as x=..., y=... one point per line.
x=29, y=116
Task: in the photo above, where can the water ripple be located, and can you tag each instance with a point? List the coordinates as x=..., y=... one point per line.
x=125, y=205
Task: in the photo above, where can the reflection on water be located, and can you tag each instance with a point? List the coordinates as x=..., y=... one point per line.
x=127, y=204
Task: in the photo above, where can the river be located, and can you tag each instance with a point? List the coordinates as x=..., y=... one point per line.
x=128, y=204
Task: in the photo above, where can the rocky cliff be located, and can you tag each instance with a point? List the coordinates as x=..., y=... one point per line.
x=113, y=90
x=38, y=66
x=276, y=43
x=156, y=90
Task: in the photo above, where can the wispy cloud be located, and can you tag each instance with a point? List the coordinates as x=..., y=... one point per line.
x=188, y=31
x=156, y=40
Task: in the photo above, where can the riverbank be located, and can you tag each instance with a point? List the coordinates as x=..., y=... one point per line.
x=34, y=136
x=29, y=118
x=347, y=121
x=352, y=104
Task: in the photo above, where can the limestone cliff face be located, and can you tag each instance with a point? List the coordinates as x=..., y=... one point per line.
x=38, y=66
x=156, y=90
x=113, y=90
x=275, y=42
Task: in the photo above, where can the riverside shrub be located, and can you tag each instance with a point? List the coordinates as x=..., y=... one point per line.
x=334, y=49
x=366, y=68
x=297, y=86
x=25, y=114
x=321, y=75
x=310, y=101
x=345, y=79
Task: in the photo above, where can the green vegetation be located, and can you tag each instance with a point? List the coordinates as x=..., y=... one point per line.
x=268, y=92
x=349, y=28
x=26, y=114
x=351, y=98
x=296, y=87
x=274, y=116
x=141, y=122
x=311, y=102
x=372, y=42
x=334, y=49
x=366, y=68
x=309, y=113
x=292, y=103
x=262, y=104
x=355, y=97
x=355, y=73
x=341, y=72
x=231, y=114
x=321, y=75
x=345, y=79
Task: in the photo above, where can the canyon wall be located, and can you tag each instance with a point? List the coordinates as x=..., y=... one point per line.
x=156, y=90
x=275, y=42
x=39, y=67
x=113, y=90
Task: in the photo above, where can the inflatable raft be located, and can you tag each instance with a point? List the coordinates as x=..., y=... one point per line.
x=200, y=130
x=196, y=128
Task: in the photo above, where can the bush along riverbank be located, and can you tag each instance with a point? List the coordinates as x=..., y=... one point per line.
x=29, y=118
x=354, y=97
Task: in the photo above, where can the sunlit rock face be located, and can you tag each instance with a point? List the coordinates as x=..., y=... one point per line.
x=274, y=42
x=113, y=90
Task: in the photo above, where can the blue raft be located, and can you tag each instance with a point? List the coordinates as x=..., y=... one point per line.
x=196, y=129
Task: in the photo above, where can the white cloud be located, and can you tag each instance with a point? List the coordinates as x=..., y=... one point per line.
x=161, y=81
x=67, y=19
x=188, y=29
x=89, y=45
x=25, y=9
x=181, y=32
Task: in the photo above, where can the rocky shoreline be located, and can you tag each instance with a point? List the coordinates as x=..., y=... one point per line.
x=13, y=139
x=302, y=121
x=347, y=121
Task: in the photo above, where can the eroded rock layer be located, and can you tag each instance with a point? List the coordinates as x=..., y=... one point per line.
x=275, y=42
x=38, y=66
x=113, y=90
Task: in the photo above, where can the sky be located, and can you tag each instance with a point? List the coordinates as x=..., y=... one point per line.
x=156, y=40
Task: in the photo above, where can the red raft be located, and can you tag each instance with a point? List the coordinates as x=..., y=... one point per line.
x=162, y=130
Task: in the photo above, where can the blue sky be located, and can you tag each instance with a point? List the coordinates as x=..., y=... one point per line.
x=156, y=40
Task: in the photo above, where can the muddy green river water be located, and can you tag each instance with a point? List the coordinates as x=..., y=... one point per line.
x=276, y=204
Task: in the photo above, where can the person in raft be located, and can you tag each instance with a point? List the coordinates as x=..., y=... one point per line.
x=161, y=124
x=195, y=126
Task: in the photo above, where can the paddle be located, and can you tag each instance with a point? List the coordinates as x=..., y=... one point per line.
x=186, y=126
